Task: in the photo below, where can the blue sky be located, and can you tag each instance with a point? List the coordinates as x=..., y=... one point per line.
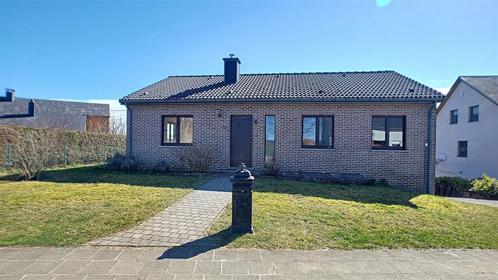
x=96, y=50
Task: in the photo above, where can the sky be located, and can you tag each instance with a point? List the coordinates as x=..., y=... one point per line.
x=104, y=50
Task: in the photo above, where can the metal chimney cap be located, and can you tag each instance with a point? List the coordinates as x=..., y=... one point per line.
x=232, y=58
x=242, y=173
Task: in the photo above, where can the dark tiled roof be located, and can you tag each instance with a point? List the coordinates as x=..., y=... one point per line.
x=486, y=85
x=50, y=113
x=336, y=86
x=56, y=107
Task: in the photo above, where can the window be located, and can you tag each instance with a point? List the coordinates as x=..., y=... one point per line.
x=177, y=130
x=388, y=133
x=318, y=132
x=462, y=149
x=453, y=116
x=474, y=113
x=270, y=139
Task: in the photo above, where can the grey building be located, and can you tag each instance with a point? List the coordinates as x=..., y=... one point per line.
x=39, y=113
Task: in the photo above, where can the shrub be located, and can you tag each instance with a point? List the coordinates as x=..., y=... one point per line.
x=162, y=167
x=370, y=182
x=382, y=182
x=120, y=162
x=487, y=185
x=197, y=158
x=452, y=186
x=271, y=168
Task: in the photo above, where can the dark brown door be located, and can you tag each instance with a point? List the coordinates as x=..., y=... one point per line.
x=241, y=141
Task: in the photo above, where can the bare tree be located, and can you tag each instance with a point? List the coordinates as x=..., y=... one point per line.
x=117, y=125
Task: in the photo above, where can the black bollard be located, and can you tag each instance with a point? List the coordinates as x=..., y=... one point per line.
x=242, y=200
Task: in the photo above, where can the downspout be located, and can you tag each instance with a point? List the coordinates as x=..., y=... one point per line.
x=430, y=114
x=129, y=138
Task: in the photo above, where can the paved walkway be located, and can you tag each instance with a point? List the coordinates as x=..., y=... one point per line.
x=92, y=263
x=186, y=220
x=493, y=203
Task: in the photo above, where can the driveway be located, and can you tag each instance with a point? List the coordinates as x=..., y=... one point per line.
x=87, y=263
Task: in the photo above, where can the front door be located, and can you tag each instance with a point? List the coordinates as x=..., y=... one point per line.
x=241, y=141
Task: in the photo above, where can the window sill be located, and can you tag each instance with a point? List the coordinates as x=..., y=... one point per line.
x=387, y=149
x=317, y=148
x=174, y=145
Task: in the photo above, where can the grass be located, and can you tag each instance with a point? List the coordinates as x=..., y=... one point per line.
x=302, y=215
x=75, y=205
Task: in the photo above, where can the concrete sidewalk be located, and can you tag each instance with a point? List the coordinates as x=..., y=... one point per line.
x=87, y=263
x=492, y=203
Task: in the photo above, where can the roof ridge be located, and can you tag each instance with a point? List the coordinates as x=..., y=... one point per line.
x=58, y=100
x=334, y=72
x=478, y=76
x=200, y=75
x=290, y=73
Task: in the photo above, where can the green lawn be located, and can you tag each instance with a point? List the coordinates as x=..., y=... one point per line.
x=75, y=205
x=302, y=215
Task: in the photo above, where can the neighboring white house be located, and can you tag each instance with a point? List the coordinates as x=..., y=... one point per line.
x=467, y=128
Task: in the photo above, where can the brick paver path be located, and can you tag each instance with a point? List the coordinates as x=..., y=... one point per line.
x=103, y=263
x=185, y=221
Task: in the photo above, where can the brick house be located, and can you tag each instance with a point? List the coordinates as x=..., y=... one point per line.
x=378, y=124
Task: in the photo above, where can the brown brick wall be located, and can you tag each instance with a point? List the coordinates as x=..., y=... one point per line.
x=352, y=151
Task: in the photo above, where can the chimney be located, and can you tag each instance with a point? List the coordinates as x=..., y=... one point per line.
x=10, y=95
x=232, y=69
x=31, y=108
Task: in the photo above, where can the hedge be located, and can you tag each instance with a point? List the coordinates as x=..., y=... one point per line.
x=452, y=186
x=43, y=148
x=484, y=188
